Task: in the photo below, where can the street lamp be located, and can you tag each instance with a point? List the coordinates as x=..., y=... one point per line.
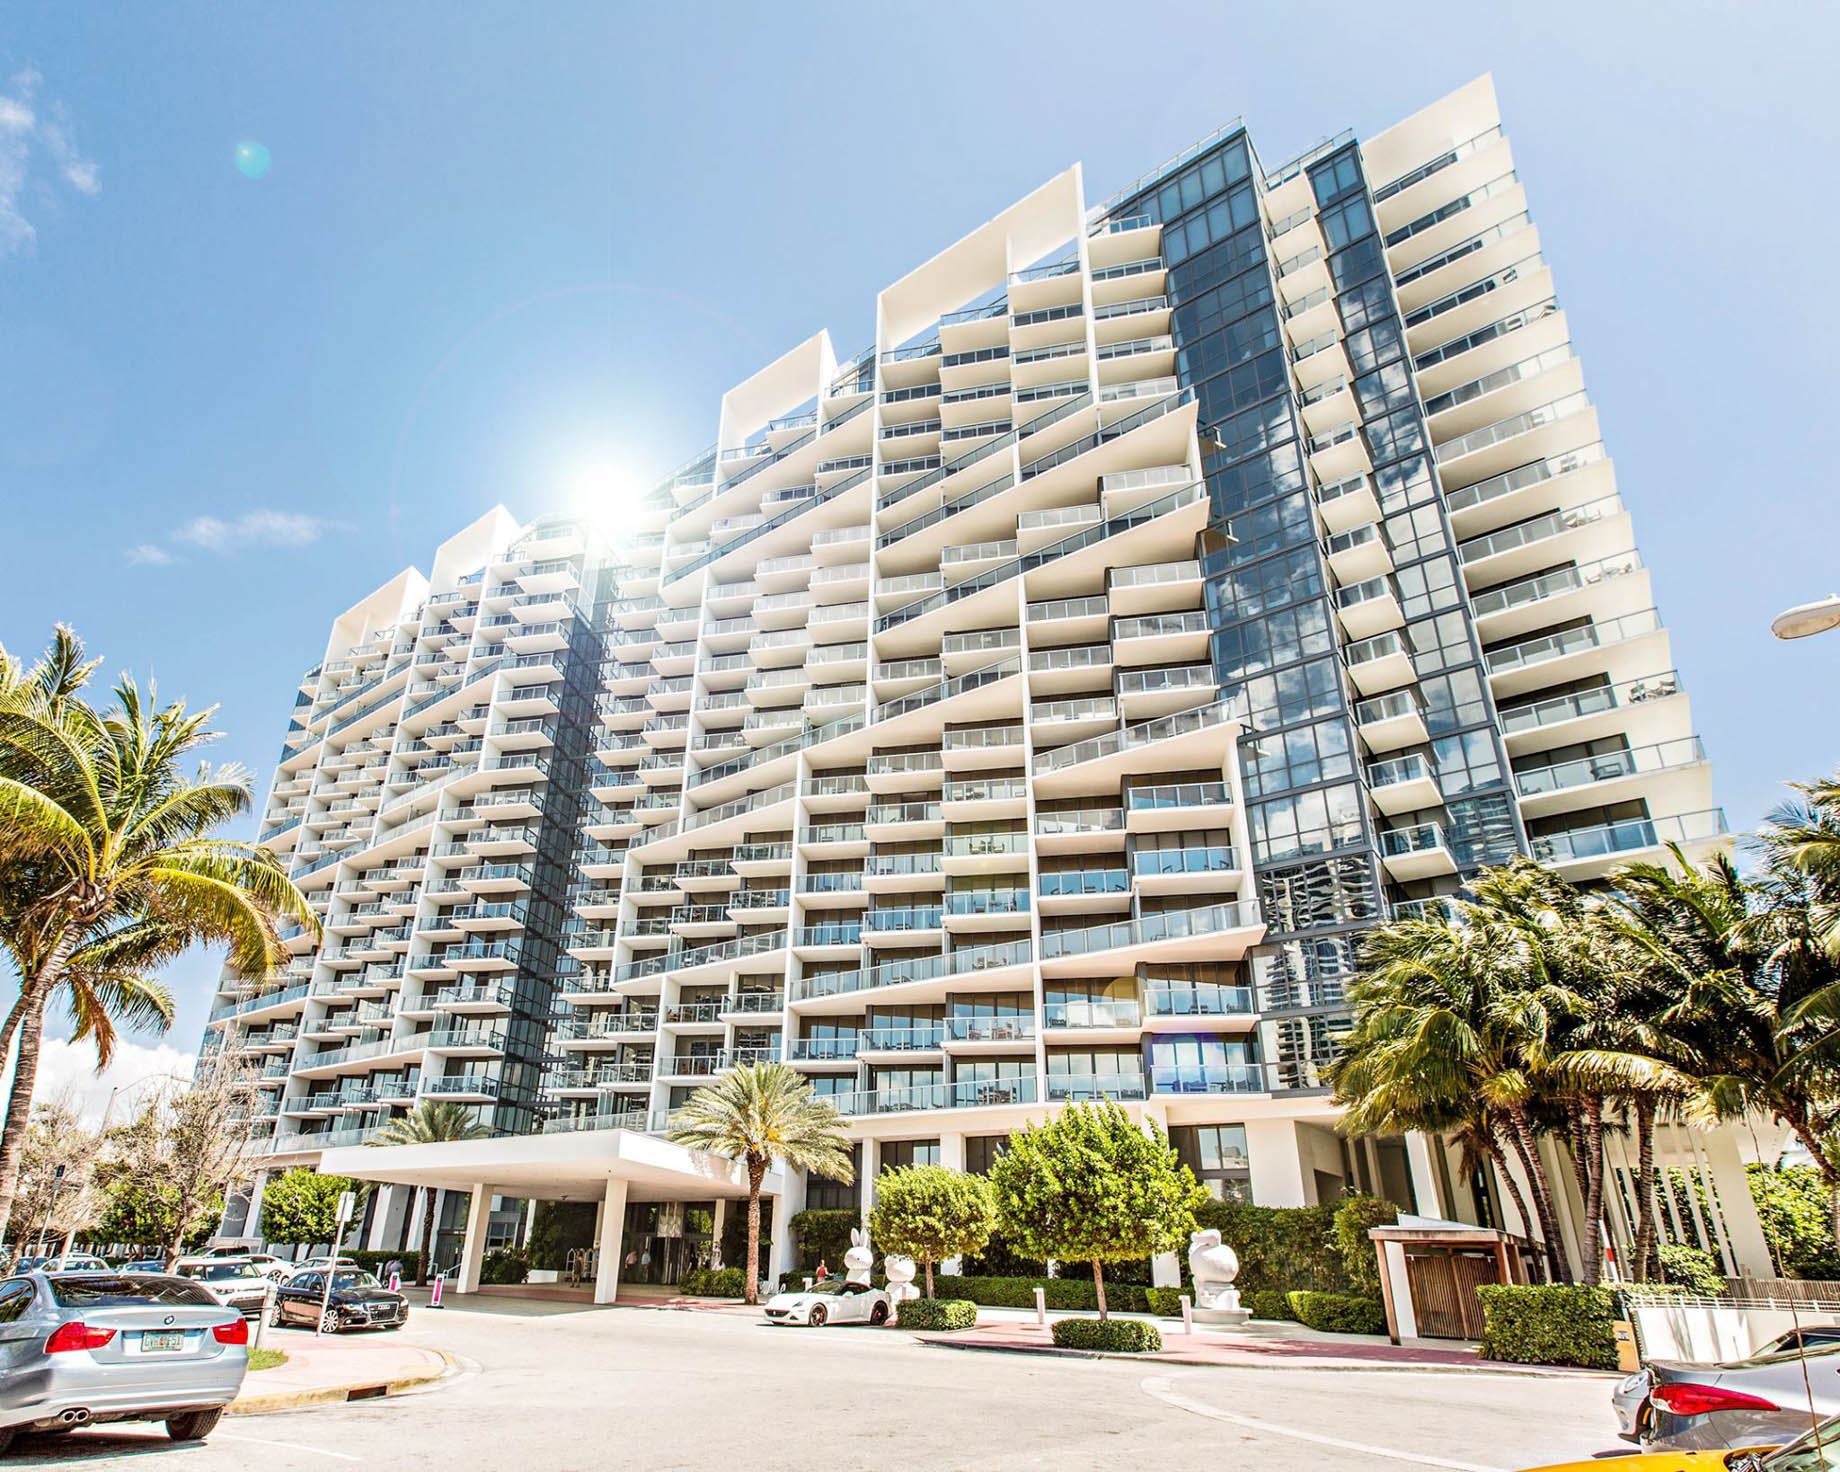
x=1808, y=618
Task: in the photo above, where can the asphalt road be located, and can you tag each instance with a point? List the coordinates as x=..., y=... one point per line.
x=561, y=1389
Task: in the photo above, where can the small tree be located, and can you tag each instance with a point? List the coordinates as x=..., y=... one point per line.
x=931, y=1213
x=182, y=1152
x=303, y=1206
x=1091, y=1186
x=50, y=1205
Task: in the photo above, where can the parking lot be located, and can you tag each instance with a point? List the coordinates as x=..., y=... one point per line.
x=561, y=1387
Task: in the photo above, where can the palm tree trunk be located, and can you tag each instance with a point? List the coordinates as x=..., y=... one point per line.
x=1645, y=1186
x=19, y=1102
x=429, y=1199
x=750, y=1290
x=1099, y=1285
x=1514, y=1187
x=1526, y=1147
x=1592, y=1151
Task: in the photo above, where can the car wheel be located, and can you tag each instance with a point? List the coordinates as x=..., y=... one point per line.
x=331, y=1321
x=879, y=1315
x=817, y=1316
x=194, y=1425
x=275, y=1317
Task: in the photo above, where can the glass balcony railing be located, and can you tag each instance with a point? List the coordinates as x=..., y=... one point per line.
x=1079, y=1087
x=1591, y=701
x=900, y=1039
x=1066, y=884
x=1572, y=641
x=1005, y=1028
x=1419, y=838
x=1200, y=859
x=1197, y=999
x=1148, y=929
x=1207, y=1078
x=1628, y=835
x=1609, y=765
x=1091, y=1012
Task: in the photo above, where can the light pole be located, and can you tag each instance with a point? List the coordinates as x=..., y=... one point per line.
x=1808, y=618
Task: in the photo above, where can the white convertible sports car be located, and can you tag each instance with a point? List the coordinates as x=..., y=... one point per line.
x=834, y=1301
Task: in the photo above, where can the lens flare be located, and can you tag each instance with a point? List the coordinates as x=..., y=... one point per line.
x=251, y=160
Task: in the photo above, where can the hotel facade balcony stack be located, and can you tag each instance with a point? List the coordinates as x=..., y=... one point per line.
x=1036, y=706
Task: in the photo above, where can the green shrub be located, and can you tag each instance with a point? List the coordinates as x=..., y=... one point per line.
x=504, y=1267
x=714, y=1283
x=1692, y=1268
x=374, y=1262
x=1113, y=1336
x=1795, y=1211
x=1268, y=1303
x=1068, y=1295
x=823, y=1236
x=1164, y=1301
x=1279, y=1246
x=1360, y=1261
x=1338, y=1313
x=1558, y=1324
x=936, y=1313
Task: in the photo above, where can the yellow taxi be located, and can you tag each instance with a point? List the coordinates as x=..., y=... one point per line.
x=1817, y=1450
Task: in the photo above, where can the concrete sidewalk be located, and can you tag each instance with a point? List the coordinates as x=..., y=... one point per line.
x=337, y=1367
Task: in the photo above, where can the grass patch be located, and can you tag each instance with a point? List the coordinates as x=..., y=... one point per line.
x=266, y=1359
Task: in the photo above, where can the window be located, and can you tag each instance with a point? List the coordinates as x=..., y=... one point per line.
x=1301, y=757
x=15, y=1299
x=898, y=1154
x=1307, y=823
x=1336, y=177
x=981, y=1152
x=1217, y=1154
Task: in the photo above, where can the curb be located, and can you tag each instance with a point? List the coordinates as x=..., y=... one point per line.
x=288, y=1400
x=1394, y=1367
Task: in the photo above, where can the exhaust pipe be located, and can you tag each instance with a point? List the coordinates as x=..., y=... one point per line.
x=77, y=1416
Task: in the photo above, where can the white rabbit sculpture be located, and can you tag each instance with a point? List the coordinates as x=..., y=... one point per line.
x=858, y=1260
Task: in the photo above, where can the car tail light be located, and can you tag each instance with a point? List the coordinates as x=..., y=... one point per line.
x=1684, y=1398
x=232, y=1333
x=77, y=1335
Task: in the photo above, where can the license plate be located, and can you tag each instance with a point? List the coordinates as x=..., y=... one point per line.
x=163, y=1342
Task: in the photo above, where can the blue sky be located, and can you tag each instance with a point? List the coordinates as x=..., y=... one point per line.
x=498, y=244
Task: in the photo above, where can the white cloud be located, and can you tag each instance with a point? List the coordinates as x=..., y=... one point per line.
x=258, y=528
x=26, y=133
x=67, y=1070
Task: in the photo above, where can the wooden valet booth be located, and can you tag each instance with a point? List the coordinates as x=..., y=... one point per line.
x=1430, y=1271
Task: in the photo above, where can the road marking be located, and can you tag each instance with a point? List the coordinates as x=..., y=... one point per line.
x=292, y=1446
x=1161, y=1388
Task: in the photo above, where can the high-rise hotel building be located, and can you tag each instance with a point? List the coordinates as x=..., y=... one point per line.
x=1034, y=706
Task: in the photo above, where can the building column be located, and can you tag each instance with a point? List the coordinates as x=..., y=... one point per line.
x=473, y=1253
x=387, y=1220
x=1425, y=1197
x=612, y=1241
x=1165, y=1267
x=1719, y=1148
x=719, y=1226
x=1276, y=1163
x=871, y=1167
x=952, y=1157
x=252, y=1223
x=786, y=1205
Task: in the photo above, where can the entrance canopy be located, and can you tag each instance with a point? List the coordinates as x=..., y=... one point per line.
x=565, y=1167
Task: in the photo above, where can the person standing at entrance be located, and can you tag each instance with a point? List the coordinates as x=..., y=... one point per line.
x=823, y=1272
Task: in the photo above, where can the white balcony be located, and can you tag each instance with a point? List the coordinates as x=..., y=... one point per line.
x=1404, y=784
x=1388, y=722
x=1358, y=554
x=1418, y=852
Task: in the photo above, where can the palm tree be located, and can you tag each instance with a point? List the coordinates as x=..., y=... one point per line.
x=1444, y=1026
x=106, y=866
x=432, y=1122
x=1802, y=838
x=756, y=1115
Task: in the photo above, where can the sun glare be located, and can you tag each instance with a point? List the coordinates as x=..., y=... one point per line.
x=604, y=491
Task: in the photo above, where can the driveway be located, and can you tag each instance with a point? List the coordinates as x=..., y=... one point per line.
x=562, y=1387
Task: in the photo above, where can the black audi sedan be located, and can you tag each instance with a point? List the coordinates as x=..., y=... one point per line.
x=357, y=1301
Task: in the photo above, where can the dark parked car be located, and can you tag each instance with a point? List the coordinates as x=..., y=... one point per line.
x=357, y=1301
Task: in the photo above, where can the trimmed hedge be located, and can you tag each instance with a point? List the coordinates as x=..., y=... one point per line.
x=1338, y=1313
x=504, y=1267
x=1164, y=1301
x=936, y=1313
x=1353, y=1217
x=1268, y=1303
x=714, y=1283
x=1113, y=1336
x=1279, y=1247
x=1070, y=1295
x=1558, y=1324
x=374, y=1261
x=823, y=1236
